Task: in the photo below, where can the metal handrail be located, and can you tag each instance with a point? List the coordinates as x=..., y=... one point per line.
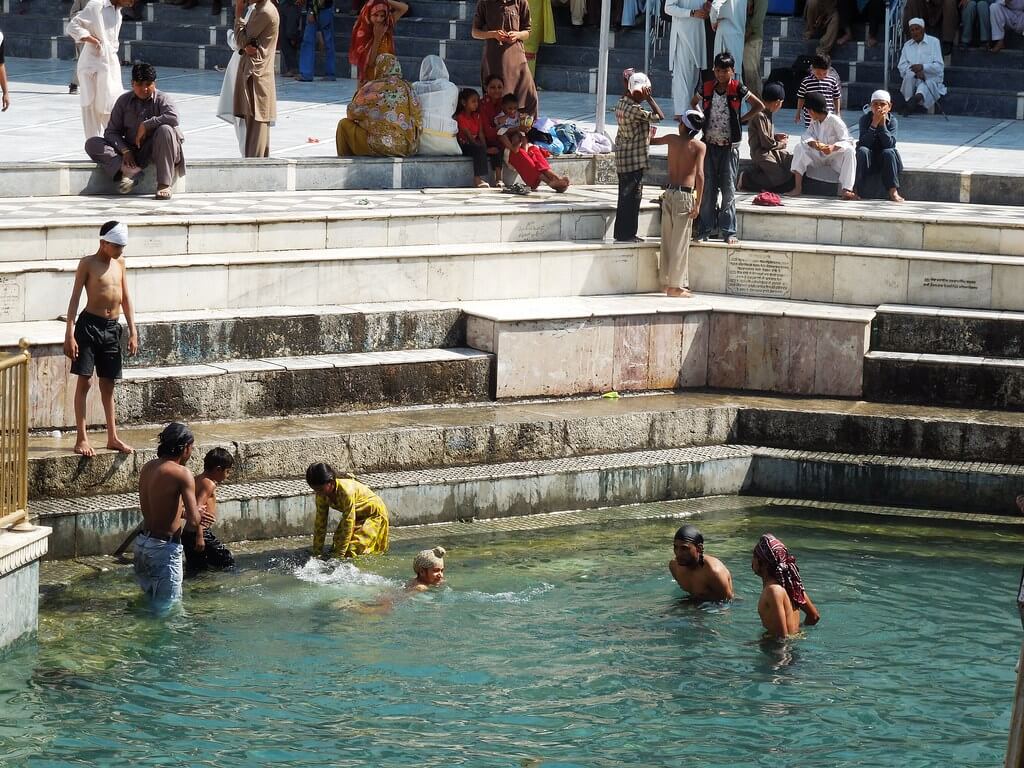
x=14, y=437
x=893, y=37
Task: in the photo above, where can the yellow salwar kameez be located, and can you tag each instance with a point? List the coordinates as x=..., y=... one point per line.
x=542, y=31
x=363, y=529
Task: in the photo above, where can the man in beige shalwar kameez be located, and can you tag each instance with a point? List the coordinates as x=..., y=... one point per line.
x=255, y=88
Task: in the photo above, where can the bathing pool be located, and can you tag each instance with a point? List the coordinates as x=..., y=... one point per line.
x=564, y=647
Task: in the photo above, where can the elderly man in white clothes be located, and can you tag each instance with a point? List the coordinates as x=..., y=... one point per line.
x=98, y=26
x=729, y=20
x=827, y=148
x=921, y=68
x=1005, y=13
x=687, y=50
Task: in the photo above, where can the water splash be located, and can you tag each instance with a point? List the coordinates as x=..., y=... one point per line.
x=522, y=596
x=340, y=573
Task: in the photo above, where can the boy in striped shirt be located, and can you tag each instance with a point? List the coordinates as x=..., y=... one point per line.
x=824, y=80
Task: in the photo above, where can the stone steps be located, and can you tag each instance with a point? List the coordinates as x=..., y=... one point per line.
x=948, y=331
x=97, y=524
x=628, y=343
x=239, y=389
x=914, y=377
x=399, y=439
x=840, y=274
x=270, y=175
x=358, y=275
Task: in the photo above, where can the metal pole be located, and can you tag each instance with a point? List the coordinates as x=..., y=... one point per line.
x=888, y=34
x=602, y=65
x=647, y=34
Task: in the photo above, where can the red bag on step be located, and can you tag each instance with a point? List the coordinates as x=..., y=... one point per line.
x=767, y=198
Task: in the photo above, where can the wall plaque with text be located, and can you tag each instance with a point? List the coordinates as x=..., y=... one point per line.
x=759, y=274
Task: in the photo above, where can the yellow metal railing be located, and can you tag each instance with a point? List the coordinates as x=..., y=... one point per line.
x=14, y=437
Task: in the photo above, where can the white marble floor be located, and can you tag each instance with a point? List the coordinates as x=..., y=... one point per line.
x=44, y=122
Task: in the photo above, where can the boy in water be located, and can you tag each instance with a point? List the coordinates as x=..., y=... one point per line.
x=202, y=549
x=783, y=595
x=93, y=342
x=680, y=204
x=702, y=576
x=429, y=568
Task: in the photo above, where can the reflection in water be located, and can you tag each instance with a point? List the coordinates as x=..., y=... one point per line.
x=565, y=648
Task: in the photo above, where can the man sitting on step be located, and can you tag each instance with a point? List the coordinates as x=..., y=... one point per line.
x=922, y=70
x=143, y=129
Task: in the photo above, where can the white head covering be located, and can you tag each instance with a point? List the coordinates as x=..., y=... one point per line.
x=881, y=95
x=638, y=81
x=428, y=558
x=917, y=21
x=433, y=76
x=693, y=120
x=118, y=235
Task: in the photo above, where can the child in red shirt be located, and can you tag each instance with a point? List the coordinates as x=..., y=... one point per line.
x=471, y=134
x=490, y=108
x=531, y=165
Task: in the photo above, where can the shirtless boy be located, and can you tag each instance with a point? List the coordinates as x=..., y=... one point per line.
x=167, y=496
x=704, y=577
x=429, y=568
x=680, y=204
x=93, y=342
x=203, y=550
x=783, y=595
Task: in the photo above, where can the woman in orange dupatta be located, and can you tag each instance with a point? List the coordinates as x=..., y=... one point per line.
x=374, y=34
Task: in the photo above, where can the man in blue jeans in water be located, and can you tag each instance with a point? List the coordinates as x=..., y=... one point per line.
x=320, y=19
x=166, y=490
x=721, y=99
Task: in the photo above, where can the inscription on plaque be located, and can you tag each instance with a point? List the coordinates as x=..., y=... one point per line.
x=759, y=274
x=955, y=283
x=10, y=295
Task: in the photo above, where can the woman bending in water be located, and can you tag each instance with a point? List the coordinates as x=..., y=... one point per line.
x=783, y=595
x=429, y=568
x=363, y=529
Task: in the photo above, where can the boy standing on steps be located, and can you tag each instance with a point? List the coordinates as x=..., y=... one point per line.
x=631, y=151
x=681, y=203
x=93, y=342
x=720, y=99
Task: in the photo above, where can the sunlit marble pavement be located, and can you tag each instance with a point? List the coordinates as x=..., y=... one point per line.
x=44, y=122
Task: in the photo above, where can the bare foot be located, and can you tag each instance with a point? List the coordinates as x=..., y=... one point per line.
x=1020, y=504
x=844, y=39
x=997, y=46
x=796, y=192
x=895, y=196
x=119, y=445
x=730, y=240
x=678, y=293
x=741, y=181
x=849, y=194
x=83, y=448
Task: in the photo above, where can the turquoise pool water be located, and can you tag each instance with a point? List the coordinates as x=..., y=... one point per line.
x=563, y=648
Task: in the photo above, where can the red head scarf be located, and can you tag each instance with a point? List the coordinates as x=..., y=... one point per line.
x=362, y=38
x=773, y=554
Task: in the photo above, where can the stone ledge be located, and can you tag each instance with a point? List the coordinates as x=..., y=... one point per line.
x=20, y=548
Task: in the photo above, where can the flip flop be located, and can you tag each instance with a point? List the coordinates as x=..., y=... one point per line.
x=163, y=194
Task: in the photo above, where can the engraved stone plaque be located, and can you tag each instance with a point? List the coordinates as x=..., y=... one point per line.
x=759, y=274
x=10, y=295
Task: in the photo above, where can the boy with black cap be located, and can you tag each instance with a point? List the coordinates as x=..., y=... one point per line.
x=768, y=149
x=704, y=577
x=680, y=204
x=93, y=341
x=166, y=488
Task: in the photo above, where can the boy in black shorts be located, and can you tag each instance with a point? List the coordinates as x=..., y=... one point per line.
x=94, y=342
x=202, y=549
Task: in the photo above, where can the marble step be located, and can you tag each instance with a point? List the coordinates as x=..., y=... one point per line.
x=410, y=438
x=948, y=331
x=270, y=175
x=850, y=274
x=38, y=291
x=192, y=337
x=97, y=525
x=961, y=380
x=630, y=343
x=957, y=76
x=976, y=102
x=281, y=386
x=885, y=480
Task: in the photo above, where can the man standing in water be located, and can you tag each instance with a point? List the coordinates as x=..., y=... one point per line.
x=783, y=595
x=704, y=577
x=166, y=487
